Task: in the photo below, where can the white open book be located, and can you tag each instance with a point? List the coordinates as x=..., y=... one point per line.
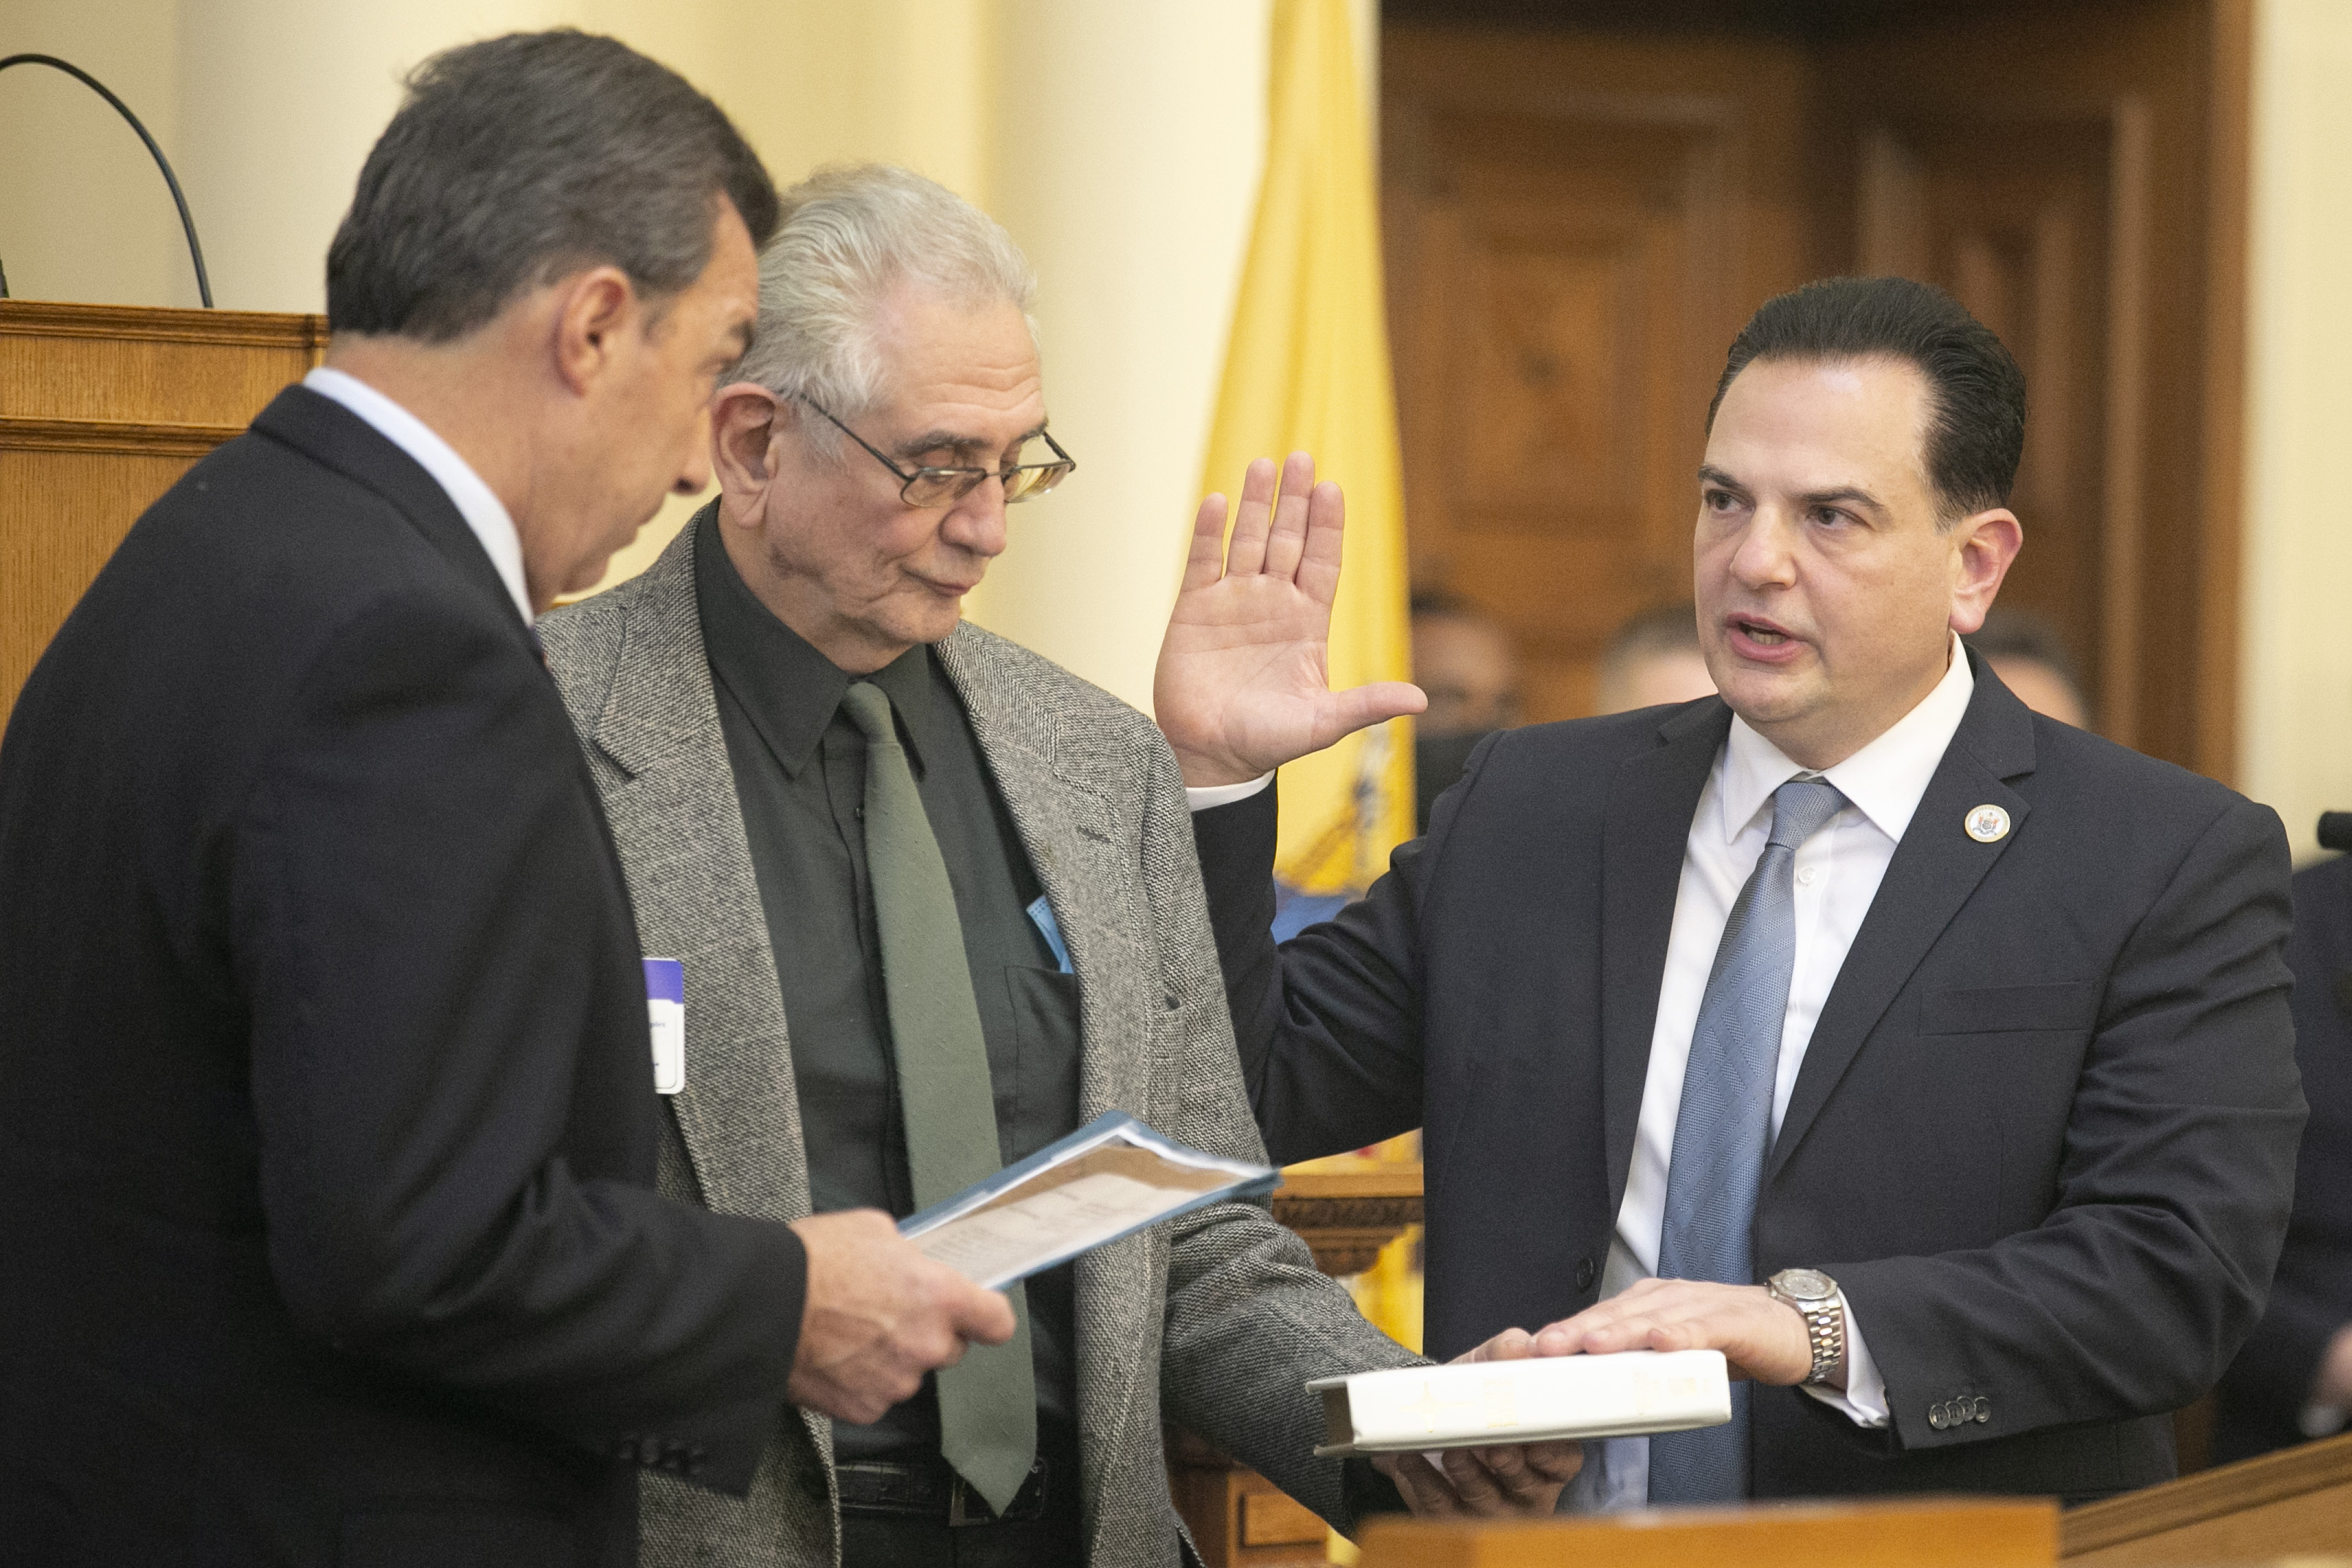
x=1110, y=1178
x=1489, y=1402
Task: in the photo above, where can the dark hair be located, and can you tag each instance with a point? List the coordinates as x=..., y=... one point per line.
x=1434, y=603
x=1976, y=421
x=519, y=159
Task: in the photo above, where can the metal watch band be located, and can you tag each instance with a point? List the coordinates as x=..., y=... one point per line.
x=1825, y=1329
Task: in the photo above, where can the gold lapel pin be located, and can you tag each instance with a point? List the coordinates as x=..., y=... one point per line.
x=1987, y=825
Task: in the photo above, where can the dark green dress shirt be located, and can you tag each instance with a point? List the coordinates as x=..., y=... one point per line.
x=799, y=772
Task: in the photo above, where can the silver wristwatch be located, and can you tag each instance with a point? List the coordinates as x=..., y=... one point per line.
x=1815, y=1296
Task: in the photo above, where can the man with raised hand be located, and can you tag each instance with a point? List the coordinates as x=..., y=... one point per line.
x=327, y=1113
x=1929, y=1058
x=936, y=905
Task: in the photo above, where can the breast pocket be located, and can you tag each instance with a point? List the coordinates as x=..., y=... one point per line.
x=2065, y=1006
x=1045, y=1078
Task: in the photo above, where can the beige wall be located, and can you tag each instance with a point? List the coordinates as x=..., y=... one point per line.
x=1119, y=142
x=2295, y=713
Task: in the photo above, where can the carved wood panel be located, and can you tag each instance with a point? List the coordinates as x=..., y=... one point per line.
x=1570, y=253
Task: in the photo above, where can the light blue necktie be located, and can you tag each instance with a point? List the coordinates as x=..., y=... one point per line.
x=1724, y=1125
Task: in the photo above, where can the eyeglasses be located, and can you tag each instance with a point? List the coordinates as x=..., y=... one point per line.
x=943, y=486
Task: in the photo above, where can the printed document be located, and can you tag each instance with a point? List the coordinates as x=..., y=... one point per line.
x=1108, y=1179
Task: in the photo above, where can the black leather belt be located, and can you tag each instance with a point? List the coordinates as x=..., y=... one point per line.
x=931, y=1488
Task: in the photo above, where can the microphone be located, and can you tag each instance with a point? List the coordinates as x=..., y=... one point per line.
x=2336, y=831
x=188, y=224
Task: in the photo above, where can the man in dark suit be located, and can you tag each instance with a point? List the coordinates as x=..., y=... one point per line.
x=326, y=1098
x=2292, y=1379
x=1929, y=1058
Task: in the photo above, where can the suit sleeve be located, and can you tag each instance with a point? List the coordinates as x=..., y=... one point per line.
x=415, y=881
x=2130, y=1296
x=1328, y=1023
x=1250, y=1320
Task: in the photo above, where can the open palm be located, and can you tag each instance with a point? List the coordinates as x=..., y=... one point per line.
x=1243, y=682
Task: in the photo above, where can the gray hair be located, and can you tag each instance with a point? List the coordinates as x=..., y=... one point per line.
x=849, y=233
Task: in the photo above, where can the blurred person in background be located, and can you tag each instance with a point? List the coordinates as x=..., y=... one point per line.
x=2029, y=656
x=1653, y=661
x=1462, y=659
x=2293, y=1380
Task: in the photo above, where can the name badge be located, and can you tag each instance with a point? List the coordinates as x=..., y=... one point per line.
x=666, y=1011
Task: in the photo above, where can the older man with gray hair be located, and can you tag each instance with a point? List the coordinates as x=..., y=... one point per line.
x=880, y=1001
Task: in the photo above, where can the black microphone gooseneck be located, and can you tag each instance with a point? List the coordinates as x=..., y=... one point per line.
x=188, y=224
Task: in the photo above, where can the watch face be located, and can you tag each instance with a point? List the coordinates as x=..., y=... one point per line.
x=1805, y=1284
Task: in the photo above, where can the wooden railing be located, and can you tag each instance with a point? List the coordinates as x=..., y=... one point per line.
x=2297, y=1500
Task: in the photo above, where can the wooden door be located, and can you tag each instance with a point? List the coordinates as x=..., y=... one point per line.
x=1576, y=226
x=2056, y=170
x=1578, y=222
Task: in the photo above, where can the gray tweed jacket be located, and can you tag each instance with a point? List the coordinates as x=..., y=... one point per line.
x=1214, y=1320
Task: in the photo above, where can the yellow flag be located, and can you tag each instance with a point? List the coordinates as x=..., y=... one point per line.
x=1308, y=369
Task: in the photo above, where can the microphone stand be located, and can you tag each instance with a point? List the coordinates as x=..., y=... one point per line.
x=187, y=223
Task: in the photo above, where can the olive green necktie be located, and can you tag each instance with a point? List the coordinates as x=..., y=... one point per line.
x=988, y=1401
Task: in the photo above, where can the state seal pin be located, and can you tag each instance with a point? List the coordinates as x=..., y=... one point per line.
x=1987, y=825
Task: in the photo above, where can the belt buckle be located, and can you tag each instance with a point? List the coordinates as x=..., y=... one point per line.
x=1029, y=1502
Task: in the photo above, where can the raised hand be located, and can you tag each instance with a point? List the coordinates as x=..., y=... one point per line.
x=1243, y=684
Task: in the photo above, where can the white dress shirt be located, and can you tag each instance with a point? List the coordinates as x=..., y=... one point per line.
x=1838, y=870
x=483, y=511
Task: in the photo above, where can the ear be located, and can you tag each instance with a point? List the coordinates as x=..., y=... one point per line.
x=746, y=420
x=1983, y=544
x=593, y=309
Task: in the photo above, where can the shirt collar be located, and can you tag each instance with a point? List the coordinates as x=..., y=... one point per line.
x=1884, y=780
x=789, y=690
x=476, y=502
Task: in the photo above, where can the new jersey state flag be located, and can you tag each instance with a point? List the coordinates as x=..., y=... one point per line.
x=1308, y=369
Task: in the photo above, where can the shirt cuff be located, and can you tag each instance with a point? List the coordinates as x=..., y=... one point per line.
x=1226, y=794
x=1863, y=1397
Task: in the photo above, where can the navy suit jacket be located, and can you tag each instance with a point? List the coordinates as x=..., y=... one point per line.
x=326, y=1123
x=2043, y=1135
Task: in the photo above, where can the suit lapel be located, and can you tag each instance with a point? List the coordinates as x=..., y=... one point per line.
x=1072, y=839
x=1085, y=856
x=697, y=899
x=1651, y=802
x=1934, y=870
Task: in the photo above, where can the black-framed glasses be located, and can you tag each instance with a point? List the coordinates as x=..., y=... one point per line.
x=945, y=487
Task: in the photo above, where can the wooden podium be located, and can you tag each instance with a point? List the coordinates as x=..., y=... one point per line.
x=101, y=407
x=1912, y=1532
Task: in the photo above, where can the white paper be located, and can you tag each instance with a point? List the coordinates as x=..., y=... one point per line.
x=1475, y=1404
x=1093, y=1189
x=999, y=1244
